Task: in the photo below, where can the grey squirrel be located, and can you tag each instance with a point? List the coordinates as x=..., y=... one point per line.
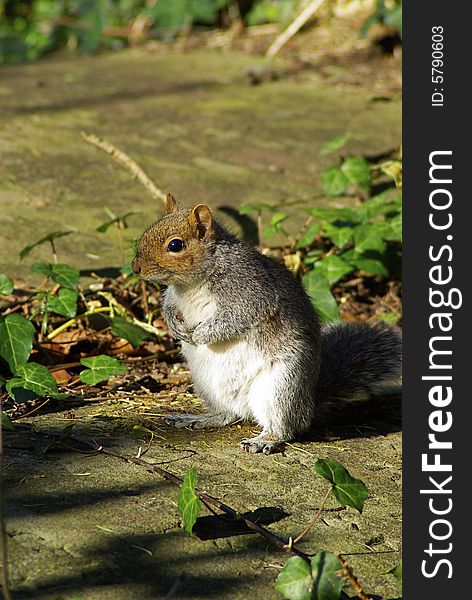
x=249, y=332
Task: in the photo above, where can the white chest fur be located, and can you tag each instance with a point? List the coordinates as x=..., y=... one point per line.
x=225, y=374
x=195, y=304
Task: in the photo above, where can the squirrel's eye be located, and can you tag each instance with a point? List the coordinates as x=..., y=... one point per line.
x=175, y=245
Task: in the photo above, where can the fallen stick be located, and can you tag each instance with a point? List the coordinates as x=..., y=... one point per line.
x=292, y=29
x=168, y=476
x=127, y=163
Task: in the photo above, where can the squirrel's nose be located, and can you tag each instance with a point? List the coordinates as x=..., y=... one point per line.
x=135, y=266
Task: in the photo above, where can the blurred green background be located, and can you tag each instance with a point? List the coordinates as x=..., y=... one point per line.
x=30, y=29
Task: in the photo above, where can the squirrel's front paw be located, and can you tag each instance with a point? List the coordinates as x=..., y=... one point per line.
x=180, y=332
x=200, y=335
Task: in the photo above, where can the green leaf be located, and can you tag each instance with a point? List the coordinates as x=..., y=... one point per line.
x=7, y=423
x=189, y=503
x=396, y=571
x=381, y=204
x=66, y=276
x=100, y=368
x=370, y=263
x=369, y=237
x=313, y=256
x=34, y=377
x=47, y=238
x=64, y=303
x=317, y=287
x=275, y=225
x=357, y=171
x=116, y=219
x=60, y=273
x=334, y=181
x=127, y=330
x=340, y=235
x=347, y=490
x=295, y=580
x=16, y=340
x=336, y=143
x=42, y=268
x=393, y=168
x=6, y=285
x=318, y=580
x=396, y=224
x=388, y=317
x=309, y=236
x=334, y=267
x=336, y=215
x=278, y=218
x=328, y=585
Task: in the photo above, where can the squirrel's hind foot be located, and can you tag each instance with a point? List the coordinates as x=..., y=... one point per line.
x=258, y=444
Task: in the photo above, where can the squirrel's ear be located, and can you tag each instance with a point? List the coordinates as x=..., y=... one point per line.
x=202, y=220
x=171, y=204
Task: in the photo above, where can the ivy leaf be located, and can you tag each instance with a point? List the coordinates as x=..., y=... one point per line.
x=317, y=287
x=339, y=235
x=309, y=236
x=318, y=580
x=334, y=181
x=388, y=317
x=396, y=224
x=337, y=215
x=189, y=503
x=381, y=204
x=6, y=285
x=368, y=237
x=356, y=169
x=328, y=585
x=334, y=267
x=115, y=219
x=47, y=238
x=393, y=168
x=370, y=263
x=7, y=423
x=295, y=580
x=100, y=368
x=33, y=377
x=64, y=303
x=278, y=218
x=16, y=340
x=396, y=571
x=66, y=276
x=336, y=143
x=62, y=274
x=347, y=490
x=42, y=268
x=127, y=330
x=275, y=224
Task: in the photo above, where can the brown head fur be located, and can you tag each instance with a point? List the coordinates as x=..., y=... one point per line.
x=172, y=250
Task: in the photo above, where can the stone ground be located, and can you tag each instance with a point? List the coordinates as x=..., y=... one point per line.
x=93, y=527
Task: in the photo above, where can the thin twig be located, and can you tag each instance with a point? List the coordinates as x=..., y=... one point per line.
x=127, y=163
x=265, y=533
x=67, y=324
x=352, y=578
x=315, y=520
x=292, y=29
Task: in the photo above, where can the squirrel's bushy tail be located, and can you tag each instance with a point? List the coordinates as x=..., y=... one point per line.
x=357, y=360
